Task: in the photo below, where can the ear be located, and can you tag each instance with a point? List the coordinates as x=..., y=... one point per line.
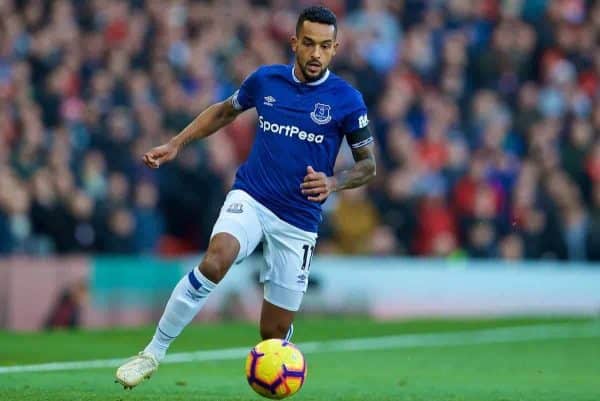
x=294, y=43
x=335, y=46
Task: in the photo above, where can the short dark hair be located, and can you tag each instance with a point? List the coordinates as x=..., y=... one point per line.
x=319, y=14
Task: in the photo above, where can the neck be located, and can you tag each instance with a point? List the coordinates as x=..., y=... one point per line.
x=298, y=72
x=299, y=76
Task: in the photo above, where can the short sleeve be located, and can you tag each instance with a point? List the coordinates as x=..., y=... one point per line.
x=356, y=118
x=244, y=97
x=355, y=123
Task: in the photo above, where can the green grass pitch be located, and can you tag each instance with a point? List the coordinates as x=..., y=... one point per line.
x=523, y=369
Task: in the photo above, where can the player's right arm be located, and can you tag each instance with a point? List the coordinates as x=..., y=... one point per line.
x=206, y=123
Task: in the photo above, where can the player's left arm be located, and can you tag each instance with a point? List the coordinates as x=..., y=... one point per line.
x=317, y=186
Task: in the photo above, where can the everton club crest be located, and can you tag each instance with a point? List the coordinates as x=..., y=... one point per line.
x=321, y=114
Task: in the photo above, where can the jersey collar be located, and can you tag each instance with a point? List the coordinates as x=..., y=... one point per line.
x=319, y=82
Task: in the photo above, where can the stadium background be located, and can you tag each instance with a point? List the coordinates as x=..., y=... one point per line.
x=487, y=123
x=486, y=116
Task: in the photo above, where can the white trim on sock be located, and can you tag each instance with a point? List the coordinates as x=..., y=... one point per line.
x=290, y=332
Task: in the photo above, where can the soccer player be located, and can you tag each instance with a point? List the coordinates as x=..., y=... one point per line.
x=304, y=112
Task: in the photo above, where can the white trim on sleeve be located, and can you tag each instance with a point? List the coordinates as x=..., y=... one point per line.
x=362, y=143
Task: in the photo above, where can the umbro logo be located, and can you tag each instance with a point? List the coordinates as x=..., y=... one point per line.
x=194, y=297
x=269, y=100
x=235, y=208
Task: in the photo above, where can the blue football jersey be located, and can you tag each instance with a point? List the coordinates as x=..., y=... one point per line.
x=299, y=125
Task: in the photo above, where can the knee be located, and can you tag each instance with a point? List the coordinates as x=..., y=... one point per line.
x=273, y=330
x=214, y=266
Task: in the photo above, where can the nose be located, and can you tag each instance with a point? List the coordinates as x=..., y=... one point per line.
x=316, y=54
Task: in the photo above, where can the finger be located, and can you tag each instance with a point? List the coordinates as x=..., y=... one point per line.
x=312, y=184
x=318, y=198
x=313, y=177
x=152, y=162
x=313, y=191
x=310, y=170
x=151, y=158
x=157, y=154
x=147, y=161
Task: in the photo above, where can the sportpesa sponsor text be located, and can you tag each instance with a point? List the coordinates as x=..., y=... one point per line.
x=289, y=131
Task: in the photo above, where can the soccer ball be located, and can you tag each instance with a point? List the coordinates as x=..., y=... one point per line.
x=275, y=368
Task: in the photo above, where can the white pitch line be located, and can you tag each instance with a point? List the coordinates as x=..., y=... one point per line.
x=472, y=337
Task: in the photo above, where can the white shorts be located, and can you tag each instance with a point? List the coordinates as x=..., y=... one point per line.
x=287, y=249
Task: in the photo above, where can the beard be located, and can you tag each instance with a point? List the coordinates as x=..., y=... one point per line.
x=311, y=78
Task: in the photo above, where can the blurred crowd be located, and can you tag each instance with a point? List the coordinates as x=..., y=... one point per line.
x=486, y=115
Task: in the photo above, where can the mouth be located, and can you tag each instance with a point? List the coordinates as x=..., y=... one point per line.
x=313, y=67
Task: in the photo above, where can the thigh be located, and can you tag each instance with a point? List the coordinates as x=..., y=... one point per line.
x=288, y=252
x=222, y=252
x=239, y=218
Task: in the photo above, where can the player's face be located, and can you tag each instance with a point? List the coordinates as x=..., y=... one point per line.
x=314, y=47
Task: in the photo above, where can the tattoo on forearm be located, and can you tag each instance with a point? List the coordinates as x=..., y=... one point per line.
x=360, y=173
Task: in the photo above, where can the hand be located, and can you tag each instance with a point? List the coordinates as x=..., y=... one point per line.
x=316, y=185
x=160, y=154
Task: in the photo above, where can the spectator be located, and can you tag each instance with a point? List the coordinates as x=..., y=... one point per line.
x=83, y=224
x=66, y=311
x=486, y=114
x=511, y=248
x=118, y=237
x=397, y=207
x=149, y=224
x=352, y=231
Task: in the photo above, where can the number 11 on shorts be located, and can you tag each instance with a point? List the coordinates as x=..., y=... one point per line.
x=308, y=253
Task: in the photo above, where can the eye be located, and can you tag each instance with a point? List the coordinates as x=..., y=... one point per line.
x=326, y=46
